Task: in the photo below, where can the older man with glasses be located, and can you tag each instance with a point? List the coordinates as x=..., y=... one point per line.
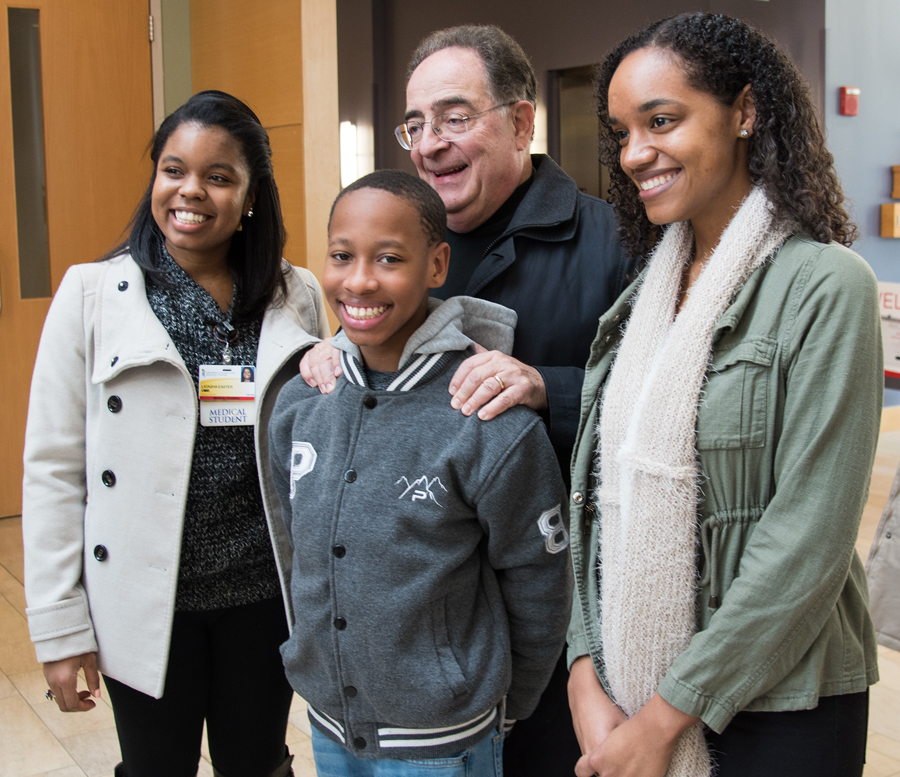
x=522, y=235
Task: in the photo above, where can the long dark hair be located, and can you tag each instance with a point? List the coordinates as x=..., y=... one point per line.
x=787, y=153
x=255, y=253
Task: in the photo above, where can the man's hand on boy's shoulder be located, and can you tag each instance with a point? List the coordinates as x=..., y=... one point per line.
x=495, y=382
x=321, y=365
x=489, y=380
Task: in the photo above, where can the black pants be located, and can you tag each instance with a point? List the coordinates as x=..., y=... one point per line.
x=828, y=741
x=545, y=745
x=224, y=667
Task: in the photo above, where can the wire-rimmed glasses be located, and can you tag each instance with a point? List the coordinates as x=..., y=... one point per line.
x=447, y=126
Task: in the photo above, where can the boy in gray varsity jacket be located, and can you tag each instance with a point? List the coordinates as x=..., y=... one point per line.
x=430, y=577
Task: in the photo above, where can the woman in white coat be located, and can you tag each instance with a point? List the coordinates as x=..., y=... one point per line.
x=153, y=544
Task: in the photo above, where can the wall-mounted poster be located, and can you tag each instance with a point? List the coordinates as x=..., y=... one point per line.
x=889, y=297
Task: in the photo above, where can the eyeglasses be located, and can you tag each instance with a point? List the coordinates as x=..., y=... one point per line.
x=447, y=126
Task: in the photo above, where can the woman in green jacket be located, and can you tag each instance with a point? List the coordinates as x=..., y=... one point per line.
x=729, y=421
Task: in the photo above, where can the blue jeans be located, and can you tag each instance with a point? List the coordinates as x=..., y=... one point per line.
x=483, y=759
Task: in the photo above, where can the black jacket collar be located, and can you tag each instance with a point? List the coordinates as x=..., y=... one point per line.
x=550, y=203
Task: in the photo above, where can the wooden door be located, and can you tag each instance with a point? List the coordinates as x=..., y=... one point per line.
x=97, y=121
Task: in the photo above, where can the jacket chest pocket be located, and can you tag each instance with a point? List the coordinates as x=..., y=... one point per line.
x=734, y=408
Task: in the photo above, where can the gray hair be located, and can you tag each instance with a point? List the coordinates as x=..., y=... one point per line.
x=509, y=73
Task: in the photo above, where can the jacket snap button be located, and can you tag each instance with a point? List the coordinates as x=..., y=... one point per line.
x=340, y=624
x=578, y=497
x=359, y=743
x=351, y=692
x=114, y=404
x=113, y=362
x=123, y=285
x=350, y=475
x=109, y=478
x=370, y=402
x=887, y=535
x=339, y=551
x=100, y=553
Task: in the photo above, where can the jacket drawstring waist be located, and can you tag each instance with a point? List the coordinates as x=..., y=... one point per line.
x=710, y=531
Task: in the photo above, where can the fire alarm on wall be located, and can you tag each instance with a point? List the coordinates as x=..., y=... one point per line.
x=849, y=101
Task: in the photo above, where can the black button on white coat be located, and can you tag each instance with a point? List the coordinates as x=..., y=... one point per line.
x=114, y=404
x=123, y=285
x=109, y=478
x=100, y=553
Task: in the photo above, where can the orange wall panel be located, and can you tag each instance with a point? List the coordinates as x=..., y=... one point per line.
x=251, y=49
x=287, y=162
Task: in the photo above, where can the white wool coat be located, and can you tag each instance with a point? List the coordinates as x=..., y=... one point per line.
x=110, y=394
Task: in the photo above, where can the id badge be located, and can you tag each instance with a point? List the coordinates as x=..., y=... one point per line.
x=227, y=394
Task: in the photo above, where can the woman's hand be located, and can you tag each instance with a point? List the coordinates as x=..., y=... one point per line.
x=62, y=677
x=593, y=712
x=642, y=746
x=498, y=382
x=320, y=365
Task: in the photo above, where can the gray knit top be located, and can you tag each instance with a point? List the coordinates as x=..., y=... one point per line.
x=226, y=552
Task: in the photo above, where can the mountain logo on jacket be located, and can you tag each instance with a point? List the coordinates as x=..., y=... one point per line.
x=303, y=459
x=421, y=489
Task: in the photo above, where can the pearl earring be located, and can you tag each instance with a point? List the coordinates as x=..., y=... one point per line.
x=745, y=133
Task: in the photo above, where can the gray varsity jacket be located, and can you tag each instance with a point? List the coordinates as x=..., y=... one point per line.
x=431, y=575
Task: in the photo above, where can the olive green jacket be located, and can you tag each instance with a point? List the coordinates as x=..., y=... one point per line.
x=786, y=435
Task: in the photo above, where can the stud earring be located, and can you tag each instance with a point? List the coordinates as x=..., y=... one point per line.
x=250, y=213
x=745, y=133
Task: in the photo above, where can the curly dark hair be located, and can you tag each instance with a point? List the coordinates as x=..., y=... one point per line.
x=255, y=254
x=787, y=153
x=432, y=213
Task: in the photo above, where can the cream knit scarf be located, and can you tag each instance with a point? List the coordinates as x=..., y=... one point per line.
x=647, y=461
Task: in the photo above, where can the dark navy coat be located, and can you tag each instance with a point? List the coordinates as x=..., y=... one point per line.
x=560, y=266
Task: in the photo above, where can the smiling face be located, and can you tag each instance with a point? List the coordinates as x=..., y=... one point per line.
x=477, y=173
x=681, y=147
x=378, y=271
x=200, y=192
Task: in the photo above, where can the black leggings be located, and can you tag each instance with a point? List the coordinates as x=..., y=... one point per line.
x=224, y=667
x=828, y=741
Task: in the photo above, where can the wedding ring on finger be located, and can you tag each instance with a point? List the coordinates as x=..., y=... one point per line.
x=502, y=386
x=49, y=695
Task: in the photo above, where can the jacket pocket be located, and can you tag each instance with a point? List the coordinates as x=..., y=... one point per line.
x=734, y=406
x=450, y=668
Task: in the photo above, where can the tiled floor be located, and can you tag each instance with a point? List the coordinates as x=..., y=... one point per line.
x=36, y=739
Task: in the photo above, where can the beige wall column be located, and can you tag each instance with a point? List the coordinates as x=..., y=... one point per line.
x=280, y=57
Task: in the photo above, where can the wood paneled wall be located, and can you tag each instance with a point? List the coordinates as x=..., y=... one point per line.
x=95, y=72
x=280, y=57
